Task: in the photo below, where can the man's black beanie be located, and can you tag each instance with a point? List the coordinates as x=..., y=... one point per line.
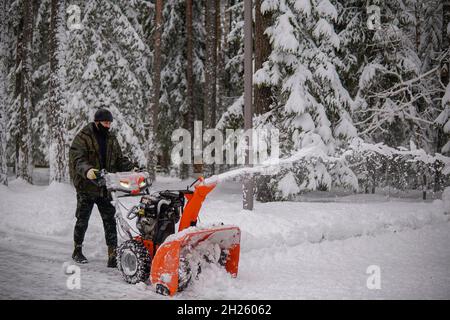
x=103, y=115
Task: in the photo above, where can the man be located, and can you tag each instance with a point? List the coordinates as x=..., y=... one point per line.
x=95, y=148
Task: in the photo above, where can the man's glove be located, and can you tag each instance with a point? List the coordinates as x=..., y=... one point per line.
x=91, y=174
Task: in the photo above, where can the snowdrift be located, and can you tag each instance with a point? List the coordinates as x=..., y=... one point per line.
x=50, y=210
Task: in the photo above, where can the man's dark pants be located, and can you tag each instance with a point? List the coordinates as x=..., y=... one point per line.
x=85, y=203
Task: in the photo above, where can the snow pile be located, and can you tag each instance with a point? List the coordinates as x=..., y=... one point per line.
x=50, y=210
x=293, y=223
x=215, y=280
x=284, y=254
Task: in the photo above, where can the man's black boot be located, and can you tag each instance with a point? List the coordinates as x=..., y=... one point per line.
x=112, y=260
x=77, y=255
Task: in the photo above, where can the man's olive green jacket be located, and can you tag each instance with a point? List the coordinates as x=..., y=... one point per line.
x=84, y=154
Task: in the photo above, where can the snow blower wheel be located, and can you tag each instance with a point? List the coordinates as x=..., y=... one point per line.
x=133, y=261
x=184, y=274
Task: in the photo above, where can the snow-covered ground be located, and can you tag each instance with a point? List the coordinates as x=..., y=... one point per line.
x=289, y=250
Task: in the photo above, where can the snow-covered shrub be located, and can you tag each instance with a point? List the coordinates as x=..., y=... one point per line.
x=378, y=165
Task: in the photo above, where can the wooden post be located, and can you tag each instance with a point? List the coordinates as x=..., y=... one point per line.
x=248, y=109
x=424, y=186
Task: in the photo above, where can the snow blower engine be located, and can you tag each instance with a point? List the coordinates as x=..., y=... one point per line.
x=169, y=260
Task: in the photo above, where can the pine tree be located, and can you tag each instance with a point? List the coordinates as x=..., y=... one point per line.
x=443, y=119
x=209, y=109
x=4, y=41
x=188, y=111
x=313, y=106
x=174, y=99
x=57, y=101
x=107, y=65
x=395, y=89
x=234, y=54
x=41, y=77
x=23, y=94
x=182, y=78
x=221, y=7
x=153, y=110
x=10, y=39
x=233, y=83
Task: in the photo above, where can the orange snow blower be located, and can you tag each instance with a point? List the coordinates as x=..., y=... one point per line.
x=169, y=260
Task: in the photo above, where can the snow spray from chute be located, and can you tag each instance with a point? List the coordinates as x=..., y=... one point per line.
x=317, y=151
x=272, y=165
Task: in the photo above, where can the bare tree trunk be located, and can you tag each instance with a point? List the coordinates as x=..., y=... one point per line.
x=25, y=164
x=188, y=116
x=56, y=99
x=424, y=187
x=263, y=94
x=222, y=90
x=418, y=7
x=154, y=104
x=445, y=41
x=219, y=70
x=219, y=59
x=222, y=24
x=226, y=26
x=190, y=67
x=209, y=109
x=4, y=34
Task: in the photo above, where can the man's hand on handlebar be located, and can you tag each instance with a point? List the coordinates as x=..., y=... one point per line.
x=92, y=174
x=97, y=177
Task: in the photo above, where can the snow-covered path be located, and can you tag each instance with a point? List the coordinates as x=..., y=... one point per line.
x=414, y=264
x=289, y=250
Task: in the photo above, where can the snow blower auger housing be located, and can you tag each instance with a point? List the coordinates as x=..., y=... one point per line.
x=155, y=252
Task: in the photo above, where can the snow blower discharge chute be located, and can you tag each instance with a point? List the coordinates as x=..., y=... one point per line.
x=155, y=252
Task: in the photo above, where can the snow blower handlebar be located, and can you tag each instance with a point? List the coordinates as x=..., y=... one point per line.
x=137, y=183
x=198, y=179
x=132, y=183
